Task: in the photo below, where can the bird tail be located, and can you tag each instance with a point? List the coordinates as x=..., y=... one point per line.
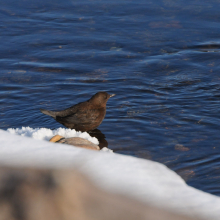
x=47, y=112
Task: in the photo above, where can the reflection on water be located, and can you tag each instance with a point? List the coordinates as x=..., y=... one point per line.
x=160, y=57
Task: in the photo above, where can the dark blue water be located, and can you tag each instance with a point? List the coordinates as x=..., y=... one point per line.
x=161, y=58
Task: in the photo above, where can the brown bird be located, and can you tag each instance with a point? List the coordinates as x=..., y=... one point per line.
x=84, y=116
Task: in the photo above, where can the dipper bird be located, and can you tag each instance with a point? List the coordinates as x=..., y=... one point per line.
x=84, y=116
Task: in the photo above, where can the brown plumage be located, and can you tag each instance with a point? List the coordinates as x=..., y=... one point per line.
x=84, y=116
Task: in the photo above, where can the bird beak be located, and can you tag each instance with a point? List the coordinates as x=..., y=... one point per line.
x=112, y=95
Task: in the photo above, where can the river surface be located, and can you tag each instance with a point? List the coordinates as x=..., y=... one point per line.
x=160, y=58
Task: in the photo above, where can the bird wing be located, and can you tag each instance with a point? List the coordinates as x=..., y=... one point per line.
x=77, y=114
x=78, y=117
x=69, y=111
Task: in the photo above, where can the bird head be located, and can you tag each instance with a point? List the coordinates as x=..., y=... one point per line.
x=101, y=98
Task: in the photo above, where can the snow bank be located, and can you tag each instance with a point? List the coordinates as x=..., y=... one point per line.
x=145, y=180
x=47, y=134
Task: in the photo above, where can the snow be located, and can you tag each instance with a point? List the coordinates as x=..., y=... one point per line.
x=47, y=134
x=144, y=180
